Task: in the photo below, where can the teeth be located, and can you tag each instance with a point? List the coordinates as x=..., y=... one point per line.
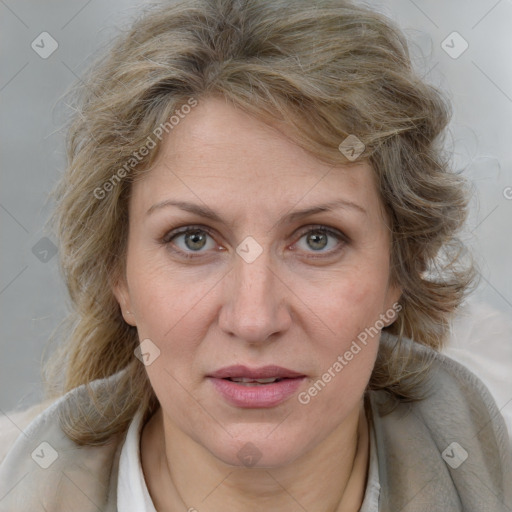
x=245, y=380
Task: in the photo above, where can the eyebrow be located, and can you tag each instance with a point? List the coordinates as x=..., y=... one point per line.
x=205, y=211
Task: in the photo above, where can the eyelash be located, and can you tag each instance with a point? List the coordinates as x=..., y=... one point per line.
x=167, y=239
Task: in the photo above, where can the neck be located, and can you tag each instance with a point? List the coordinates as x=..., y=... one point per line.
x=181, y=474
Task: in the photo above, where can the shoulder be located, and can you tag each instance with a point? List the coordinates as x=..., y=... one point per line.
x=454, y=388
x=452, y=446
x=474, y=368
x=456, y=403
x=12, y=425
x=481, y=340
x=38, y=458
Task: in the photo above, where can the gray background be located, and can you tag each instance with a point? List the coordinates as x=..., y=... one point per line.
x=32, y=295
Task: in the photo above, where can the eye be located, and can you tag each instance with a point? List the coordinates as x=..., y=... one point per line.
x=189, y=240
x=319, y=238
x=193, y=239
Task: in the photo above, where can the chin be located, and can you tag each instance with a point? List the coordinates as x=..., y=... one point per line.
x=256, y=451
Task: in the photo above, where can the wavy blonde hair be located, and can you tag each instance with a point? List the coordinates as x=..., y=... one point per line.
x=328, y=69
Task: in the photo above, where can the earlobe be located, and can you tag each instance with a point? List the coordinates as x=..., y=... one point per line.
x=122, y=295
x=128, y=317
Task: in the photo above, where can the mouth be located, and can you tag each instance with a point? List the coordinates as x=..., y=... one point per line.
x=264, y=374
x=245, y=381
x=263, y=387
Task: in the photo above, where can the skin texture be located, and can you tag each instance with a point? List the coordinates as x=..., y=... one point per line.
x=299, y=305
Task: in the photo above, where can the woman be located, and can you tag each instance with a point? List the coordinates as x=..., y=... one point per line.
x=258, y=234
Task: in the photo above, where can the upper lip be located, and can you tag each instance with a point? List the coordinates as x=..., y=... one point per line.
x=264, y=372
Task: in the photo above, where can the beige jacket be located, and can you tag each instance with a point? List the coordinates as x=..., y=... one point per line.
x=447, y=453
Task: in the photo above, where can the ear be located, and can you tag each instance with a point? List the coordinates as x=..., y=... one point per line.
x=122, y=294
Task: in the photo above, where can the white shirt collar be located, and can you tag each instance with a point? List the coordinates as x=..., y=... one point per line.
x=132, y=492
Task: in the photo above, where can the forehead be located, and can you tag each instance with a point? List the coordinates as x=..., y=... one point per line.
x=218, y=150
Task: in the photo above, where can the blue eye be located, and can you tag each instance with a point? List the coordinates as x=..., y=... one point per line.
x=195, y=238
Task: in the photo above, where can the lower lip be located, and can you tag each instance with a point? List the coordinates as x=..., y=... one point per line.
x=265, y=395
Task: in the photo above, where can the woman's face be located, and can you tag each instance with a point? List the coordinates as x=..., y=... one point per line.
x=258, y=288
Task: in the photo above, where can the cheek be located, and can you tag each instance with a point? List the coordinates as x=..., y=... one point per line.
x=349, y=308
x=166, y=305
x=346, y=355
x=352, y=301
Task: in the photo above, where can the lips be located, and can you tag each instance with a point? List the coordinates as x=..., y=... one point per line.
x=265, y=372
x=263, y=387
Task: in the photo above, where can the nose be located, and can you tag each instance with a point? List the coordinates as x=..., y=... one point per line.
x=255, y=305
